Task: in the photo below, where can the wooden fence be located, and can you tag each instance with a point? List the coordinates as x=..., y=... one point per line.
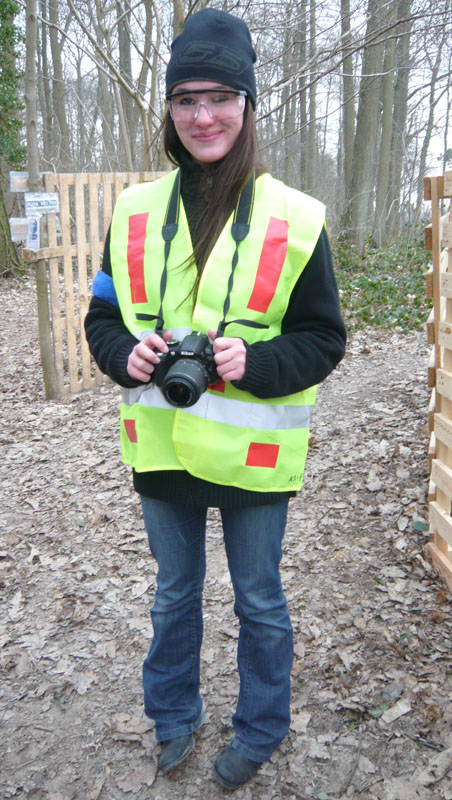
x=69, y=260
x=438, y=239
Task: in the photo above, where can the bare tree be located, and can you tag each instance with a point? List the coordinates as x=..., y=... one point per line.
x=312, y=128
x=302, y=97
x=387, y=105
x=63, y=148
x=348, y=94
x=11, y=153
x=31, y=97
x=44, y=90
x=45, y=341
x=363, y=165
x=400, y=113
x=434, y=97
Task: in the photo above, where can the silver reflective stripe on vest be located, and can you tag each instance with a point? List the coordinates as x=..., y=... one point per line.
x=250, y=415
x=148, y=395
x=228, y=412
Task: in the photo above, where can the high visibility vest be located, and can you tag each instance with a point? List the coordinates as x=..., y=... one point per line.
x=229, y=436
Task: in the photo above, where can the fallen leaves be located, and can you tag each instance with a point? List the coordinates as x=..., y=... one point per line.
x=372, y=621
x=397, y=710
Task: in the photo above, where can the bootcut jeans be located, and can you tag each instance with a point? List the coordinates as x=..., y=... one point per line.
x=171, y=671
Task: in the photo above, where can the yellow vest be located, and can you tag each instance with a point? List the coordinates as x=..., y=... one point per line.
x=229, y=436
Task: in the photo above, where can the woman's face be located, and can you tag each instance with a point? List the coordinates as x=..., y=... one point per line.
x=207, y=138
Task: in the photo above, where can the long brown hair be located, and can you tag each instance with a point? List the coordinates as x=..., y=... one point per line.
x=227, y=180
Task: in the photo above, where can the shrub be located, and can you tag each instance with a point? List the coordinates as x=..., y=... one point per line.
x=385, y=287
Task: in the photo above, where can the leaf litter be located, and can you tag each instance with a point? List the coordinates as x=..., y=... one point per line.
x=371, y=682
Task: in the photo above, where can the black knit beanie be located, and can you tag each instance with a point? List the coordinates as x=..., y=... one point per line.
x=213, y=46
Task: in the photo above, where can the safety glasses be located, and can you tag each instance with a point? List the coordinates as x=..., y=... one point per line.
x=220, y=104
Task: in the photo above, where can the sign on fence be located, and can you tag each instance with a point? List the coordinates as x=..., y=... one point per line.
x=41, y=203
x=18, y=181
x=33, y=233
x=26, y=231
x=19, y=229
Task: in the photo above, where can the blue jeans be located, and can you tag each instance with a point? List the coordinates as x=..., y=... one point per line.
x=171, y=671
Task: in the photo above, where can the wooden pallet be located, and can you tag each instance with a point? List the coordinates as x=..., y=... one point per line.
x=438, y=239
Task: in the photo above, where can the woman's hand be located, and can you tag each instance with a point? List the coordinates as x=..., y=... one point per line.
x=142, y=360
x=230, y=357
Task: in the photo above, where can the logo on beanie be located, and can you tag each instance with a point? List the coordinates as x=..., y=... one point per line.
x=207, y=54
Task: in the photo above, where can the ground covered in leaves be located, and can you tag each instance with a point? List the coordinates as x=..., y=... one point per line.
x=372, y=700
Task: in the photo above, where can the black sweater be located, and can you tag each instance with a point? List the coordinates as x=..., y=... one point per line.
x=311, y=344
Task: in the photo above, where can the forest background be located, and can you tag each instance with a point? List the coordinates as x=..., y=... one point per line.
x=353, y=107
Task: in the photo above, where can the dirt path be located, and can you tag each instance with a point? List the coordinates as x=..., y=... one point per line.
x=372, y=704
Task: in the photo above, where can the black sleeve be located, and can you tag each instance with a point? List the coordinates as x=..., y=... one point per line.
x=312, y=340
x=110, y=342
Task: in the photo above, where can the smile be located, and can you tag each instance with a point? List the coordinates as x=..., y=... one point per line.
x=207, y=137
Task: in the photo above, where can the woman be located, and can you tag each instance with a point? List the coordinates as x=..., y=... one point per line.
x=263, y=289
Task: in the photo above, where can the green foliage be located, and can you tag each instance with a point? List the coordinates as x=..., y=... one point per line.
x=385, y=287
x=10, y=106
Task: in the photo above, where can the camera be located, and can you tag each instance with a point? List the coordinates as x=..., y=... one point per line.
x=186, y=370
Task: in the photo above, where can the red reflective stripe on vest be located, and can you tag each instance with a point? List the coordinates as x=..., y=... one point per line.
x=262, y=455
x=135, y=256
x=129, y=425
x=271, y=262
x=218, y=387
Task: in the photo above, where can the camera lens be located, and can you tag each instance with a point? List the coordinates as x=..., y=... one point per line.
x=179, y=395
x=184, y=383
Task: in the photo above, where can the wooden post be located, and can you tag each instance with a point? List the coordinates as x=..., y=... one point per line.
x=45, y=332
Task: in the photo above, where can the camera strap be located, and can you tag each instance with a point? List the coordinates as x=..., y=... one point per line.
x=239, y=230
x=169, y=230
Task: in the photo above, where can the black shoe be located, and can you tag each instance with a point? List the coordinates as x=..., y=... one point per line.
x=232, y=770
x=175, y=751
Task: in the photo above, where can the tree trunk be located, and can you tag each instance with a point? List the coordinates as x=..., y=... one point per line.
x=42, y=294
x=361, y=184
x=136, y=112
x=10, y=262
x=427, y=136
x=30, y=97
x=381, y=205
x=80, y=149
x=312, y=127
x=125, y=68
x=109, y=160
x=447, y=152
x=400, y=113
x=45, y=102
x=348, y=95
x=11, y=154
x=302, y=35
x=178, y=16
x=157, y=158
x=123, y=128
x=287, y=122
x=63, y=148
